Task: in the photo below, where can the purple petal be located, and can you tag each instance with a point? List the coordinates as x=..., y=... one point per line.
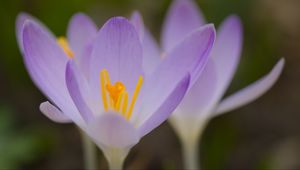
x=182, y=18
x=251, y=92
x=227, y=51
x=78, y=90
x=21, y=18
x=200, y=98
x=137, y=21
x=84, y=61
x=118, y=50
x=53, y=113
x=112, y=130
x=46, y=64
x=81, y=32
x=165, y=109
x=151, y=51
x=190, y=56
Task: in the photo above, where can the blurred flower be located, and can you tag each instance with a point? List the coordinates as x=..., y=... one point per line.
x=204, y=100
x=98, y=82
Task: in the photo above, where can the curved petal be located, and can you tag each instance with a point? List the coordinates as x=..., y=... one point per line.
x=54, y=113
x=46, y=64
x=21, y=18
x=227, y=51
x=251, y=92
x=190, y=56
x=113, y=131
x=182, y=18
x=81, y=31
x=118, y=50
x=78, y=90
x=165, y=109
x=151, y=51
x=200, y=98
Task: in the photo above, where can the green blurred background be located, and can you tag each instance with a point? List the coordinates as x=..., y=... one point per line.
x=262, y=135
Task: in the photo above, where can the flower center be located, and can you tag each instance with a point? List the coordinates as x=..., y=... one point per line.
x=115, y=90
x=115, y=96
x=63, y=43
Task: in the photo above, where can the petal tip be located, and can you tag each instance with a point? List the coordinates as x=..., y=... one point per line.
x=208, y=29
x=136, y=13
x=117, y=20
x=80, y=16
x=235, y=22
x=184, y=5
x=21, y=17
x=279, y=66
x=53, y=113
x=281, y=62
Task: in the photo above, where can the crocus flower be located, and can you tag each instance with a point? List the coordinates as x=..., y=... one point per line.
x=203, y=100
x=97, y=80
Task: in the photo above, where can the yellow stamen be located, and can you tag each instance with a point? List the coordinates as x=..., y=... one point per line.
x=106, y=76
x=111, y=104
x=115, y=96
x=63, y=43
x=103, y=90
x=120, y=98
x=134, y=97
x=125, y=102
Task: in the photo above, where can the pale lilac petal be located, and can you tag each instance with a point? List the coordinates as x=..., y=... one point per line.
x=166, y=108
x=81, y=32
x=190, y=56
x=21, y=18
x=113, y=131
x=46, y=64
x=137, y=21
x=151, y=51
x=227, y=51
x=182, y=18
x=84, y=62
x=78, y=90
x=200, y=98
x=251, y=92
x=117, y=49
x=54, y=113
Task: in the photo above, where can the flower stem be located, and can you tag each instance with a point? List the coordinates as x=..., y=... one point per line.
x=90, y=153
x=190, y=154
x=115, y=157
x=189, y=131
x=116, y=164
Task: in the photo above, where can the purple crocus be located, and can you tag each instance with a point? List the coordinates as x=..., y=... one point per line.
x=97, y=79
x=203, y=100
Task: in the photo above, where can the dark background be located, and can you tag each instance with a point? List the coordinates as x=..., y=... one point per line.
x=262, y=135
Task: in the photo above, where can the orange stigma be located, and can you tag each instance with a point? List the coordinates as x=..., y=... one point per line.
x=115, y=90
